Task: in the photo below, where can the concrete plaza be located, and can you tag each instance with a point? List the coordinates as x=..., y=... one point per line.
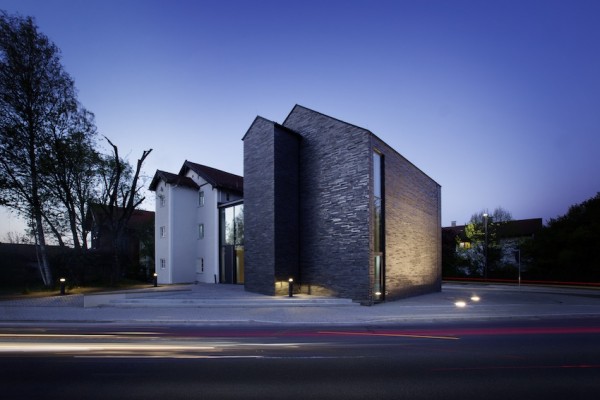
x=230, y=304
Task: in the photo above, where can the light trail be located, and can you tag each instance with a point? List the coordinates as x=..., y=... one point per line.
x=389, y=335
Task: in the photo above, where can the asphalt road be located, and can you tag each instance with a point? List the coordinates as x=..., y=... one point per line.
x=527, y=359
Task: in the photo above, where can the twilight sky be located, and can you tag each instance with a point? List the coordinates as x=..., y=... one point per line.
x=497, y=101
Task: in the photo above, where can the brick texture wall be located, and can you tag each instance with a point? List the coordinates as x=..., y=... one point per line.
x=334, y=205
x=259, y=208
x=412, y=227
x=271, y=206
x=308, y=198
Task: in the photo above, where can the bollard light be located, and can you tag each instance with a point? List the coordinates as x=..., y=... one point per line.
x=62, y=286
x=155, y=279
x=291, y=287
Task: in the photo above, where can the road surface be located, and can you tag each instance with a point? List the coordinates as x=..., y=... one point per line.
x=530, y=359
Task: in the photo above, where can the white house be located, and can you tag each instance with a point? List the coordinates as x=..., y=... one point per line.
x=198, y=225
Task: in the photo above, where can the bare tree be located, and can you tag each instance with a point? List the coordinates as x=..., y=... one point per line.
x=121, y=197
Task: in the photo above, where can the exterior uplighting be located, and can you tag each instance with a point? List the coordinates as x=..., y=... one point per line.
x=475, y=298
x=62, y=286
x=460, y=304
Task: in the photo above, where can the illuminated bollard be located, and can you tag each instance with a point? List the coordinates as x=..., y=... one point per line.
x=291, y=287
x=62, y=286
x=155, y=279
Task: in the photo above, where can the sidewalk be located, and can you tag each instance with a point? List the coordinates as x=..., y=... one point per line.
x=230, y=304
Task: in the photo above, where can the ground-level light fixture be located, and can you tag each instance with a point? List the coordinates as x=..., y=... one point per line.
x=155, y=278
x=62, y=286
x=460, y=304
x=475, y=298
x=291, y=287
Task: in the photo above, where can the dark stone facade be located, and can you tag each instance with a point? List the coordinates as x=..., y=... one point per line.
x=308, y=209
x=271, y=220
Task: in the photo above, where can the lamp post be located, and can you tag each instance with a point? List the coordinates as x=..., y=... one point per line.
x=485, y=249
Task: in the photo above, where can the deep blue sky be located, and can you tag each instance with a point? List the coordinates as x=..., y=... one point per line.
x=498, y=101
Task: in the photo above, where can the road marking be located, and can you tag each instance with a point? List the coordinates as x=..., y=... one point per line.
x=390, y=335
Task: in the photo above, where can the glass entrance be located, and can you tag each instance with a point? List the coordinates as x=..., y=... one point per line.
x=231, y=238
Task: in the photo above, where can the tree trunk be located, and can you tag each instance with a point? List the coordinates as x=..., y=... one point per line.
x=43, y=264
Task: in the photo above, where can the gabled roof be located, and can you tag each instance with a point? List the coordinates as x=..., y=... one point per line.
x=217, y=178
x=172, y=179
x=303, y=110
x=274, y=124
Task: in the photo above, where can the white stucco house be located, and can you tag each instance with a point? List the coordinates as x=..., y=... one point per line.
x=198, y=225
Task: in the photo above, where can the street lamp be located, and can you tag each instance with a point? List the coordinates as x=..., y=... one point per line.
x=485, y=250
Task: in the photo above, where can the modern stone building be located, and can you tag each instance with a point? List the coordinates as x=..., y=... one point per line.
x=332, y=206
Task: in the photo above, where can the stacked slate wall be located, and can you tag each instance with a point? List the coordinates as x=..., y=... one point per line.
x=334, y=205
x=412, y=213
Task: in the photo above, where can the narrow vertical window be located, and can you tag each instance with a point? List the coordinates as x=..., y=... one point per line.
x=163, y=263
x=200, y=231
x=378, y=228
x=201, y=198
x=163, y=231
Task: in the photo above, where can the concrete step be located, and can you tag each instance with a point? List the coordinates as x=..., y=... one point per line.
x=267, y=302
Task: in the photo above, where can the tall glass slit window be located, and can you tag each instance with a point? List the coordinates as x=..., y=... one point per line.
x=378, y=228
x=232, y=244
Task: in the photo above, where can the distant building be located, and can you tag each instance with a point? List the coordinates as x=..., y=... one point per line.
x=323, y=202
x=509, y=236
x=131, y=244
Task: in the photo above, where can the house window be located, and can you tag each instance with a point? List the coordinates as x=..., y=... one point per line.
x=163, y=231
x=200, y=231
x=465, y=245
x=201, y=198
x=163, y=263
x=161, y=200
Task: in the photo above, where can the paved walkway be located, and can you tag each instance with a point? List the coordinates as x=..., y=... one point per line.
x=229, y=304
